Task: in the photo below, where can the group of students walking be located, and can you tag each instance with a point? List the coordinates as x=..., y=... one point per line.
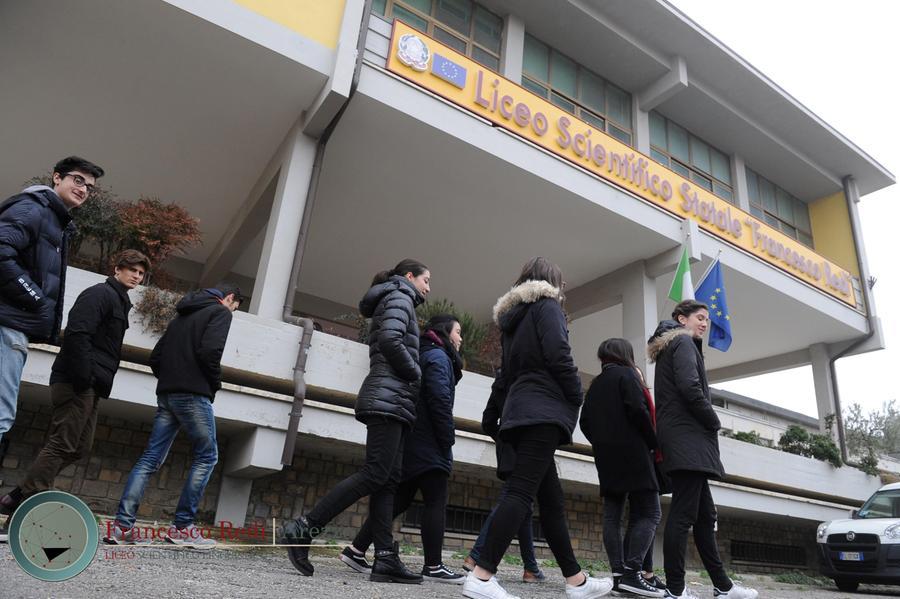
x=642, y=448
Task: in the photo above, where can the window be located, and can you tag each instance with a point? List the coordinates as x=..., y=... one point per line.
x=461, y=24
x=690, y=156
x=778, y=208
x=575, y=89
x=460, y=520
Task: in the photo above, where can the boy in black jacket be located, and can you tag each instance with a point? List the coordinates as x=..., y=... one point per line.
x=82, y=374
x=187, y=362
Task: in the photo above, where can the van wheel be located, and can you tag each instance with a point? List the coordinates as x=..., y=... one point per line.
x=847, y=584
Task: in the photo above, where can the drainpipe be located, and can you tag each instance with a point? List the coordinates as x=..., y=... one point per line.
x=851, y=193
x=287, y=455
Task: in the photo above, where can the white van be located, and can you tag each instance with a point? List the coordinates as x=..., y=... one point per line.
x=866, y=547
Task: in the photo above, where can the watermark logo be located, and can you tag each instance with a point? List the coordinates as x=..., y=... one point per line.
x=53, y=536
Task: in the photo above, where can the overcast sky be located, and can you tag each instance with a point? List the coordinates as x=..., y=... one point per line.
x=841, y=61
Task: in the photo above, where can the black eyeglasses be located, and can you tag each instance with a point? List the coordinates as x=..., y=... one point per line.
x=80, y=181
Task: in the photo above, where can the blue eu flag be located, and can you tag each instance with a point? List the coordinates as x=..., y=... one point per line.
x=711, y=291
x=448, y=70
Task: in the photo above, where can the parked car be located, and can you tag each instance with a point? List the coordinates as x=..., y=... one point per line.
x=866, y=547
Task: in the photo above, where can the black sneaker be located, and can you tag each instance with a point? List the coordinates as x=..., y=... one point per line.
x=11, y=501
x=355, y=560
x=634, y=584
x=442, y=573
x=655, y=581
x=616, y=578
x=298, y=532
x=388, y=568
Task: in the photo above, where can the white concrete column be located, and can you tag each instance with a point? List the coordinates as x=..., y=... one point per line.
x=641, y=126
x=283, y=227
x=234, y=497
x=824, y=384
x=639, y=315
x=739, y=182
x=512, y=50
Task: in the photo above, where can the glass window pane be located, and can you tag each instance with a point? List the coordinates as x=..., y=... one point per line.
x=658, y=131
x=592, y=92
x=563, y=74
x=455, y=13
x=702, y=181
x=721, y=166
x=801, y=216
x=618, y=105
x=789, y=230
x=445, y=37
x=593, y=119
x=785, y=205
x=534, y=87
x=423, y=6
x=756, y=211
x=723, y=192
x=378, y=6
x=771, y=220
x=619, y=134
x=410, y=18
x=805, y=239
x=486, y=58
x=488, y=29
x=659, y=157
x=562, y=102
x=678, y=143
x=536, y=59
x=681, y=169
x=767, y=195
x=700, y=155
x=752, y=187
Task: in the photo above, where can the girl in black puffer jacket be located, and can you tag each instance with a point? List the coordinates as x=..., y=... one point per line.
x=386, y=404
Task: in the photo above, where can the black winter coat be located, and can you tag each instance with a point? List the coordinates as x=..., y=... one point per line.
x=188, y=357
x=392, y=385
x=92, y=344
x=34, y=231
x=541, y=380
x=429, y=445
x=686, y=423
x=490, y=424
x=616, y=421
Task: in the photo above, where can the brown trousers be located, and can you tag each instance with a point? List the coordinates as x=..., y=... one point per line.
x=71, y=436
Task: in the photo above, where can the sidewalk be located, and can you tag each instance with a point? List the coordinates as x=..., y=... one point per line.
x=169, y=572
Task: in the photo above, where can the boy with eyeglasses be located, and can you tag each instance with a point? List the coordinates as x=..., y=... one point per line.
x=35, y=226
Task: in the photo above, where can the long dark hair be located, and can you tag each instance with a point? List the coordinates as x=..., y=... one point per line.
x=687, y=307
x=442, y=325
x=541, y=269
x=404, y=266
x=616, y=350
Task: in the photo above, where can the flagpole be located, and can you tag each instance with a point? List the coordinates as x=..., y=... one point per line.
x=709, y=268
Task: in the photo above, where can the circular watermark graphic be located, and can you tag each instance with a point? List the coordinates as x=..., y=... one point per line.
x=53, y=536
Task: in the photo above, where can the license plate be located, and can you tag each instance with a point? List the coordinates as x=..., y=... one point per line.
x=850, y=556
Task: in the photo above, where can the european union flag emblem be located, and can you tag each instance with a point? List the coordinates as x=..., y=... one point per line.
x=448, y=70
x=711, y=291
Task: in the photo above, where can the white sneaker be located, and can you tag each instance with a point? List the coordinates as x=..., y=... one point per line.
x=475, y=588
x=737, y=591
x=592, y=588
x=190, y=536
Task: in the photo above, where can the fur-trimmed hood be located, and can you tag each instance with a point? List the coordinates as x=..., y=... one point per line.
x=510, y=307
x=666, y=331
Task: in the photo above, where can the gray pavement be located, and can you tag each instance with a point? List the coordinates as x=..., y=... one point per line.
x=168, y=572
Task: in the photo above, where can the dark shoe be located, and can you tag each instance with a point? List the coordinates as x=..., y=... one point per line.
x=655, y=581
x=634, y=583
x=389, y=568
x=616, y=578
x=442, y=574
x=11, y=501
x=357, y=561
x=529, y=576
x=4, y=446
x=298, y=532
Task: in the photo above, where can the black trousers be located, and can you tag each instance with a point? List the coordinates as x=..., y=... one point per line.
x=377, y=479
x=643, y=518
x=433, y=485
x=692, y=505
x=534, y=475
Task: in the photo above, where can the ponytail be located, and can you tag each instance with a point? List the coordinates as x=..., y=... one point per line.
x=406, y=265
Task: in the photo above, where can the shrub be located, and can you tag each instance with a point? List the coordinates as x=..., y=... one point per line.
x=799, y=441
x=474, y=334
x=157, y=308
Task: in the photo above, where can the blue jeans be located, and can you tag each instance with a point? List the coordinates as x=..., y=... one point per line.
x=175, y=411
x=13, y=352
x=525, y=536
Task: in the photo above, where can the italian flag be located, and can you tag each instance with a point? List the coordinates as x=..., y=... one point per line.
x=682, y=286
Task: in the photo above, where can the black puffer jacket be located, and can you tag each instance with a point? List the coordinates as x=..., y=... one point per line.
x=686, y=423
x=541, y=380
x=188, y=357
x=392, y=385
x=93, y=341
x=616, y=421
x=34, y=231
